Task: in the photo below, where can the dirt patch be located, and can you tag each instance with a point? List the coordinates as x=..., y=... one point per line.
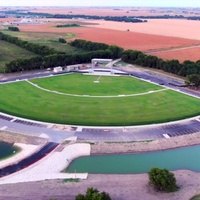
x=120, y=187
x=19, y=138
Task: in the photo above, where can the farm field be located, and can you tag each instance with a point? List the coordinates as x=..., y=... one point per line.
x=48, y=39
x=181, y=28
x=127, y=40
x=180, y=54
x=153, y=107
x=10, y=52
x=156, y=34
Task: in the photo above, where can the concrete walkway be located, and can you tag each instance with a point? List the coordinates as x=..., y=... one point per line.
x=51, y=166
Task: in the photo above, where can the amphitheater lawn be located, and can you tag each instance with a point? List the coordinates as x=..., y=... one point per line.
x=85, y=85
x=22, y=99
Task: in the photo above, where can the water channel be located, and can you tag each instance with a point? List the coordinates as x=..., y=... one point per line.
x=174, y=159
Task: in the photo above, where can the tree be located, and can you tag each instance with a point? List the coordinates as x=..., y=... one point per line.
x=193, y=79
x=93, y=194
x=162, y=180
x=13, y=28
x=61, y=40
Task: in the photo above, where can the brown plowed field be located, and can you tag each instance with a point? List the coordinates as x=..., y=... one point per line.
x=125, y=39
x=181, y=54
x=188, y=29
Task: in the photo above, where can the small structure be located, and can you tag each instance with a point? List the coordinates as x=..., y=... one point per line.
x=95, y=62
x=72, y=67
x=57, y=69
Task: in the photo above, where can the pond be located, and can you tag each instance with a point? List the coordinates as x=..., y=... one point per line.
x=174, y=159
x=7, y=150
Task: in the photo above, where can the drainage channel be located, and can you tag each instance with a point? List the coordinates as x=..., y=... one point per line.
x=29, y=160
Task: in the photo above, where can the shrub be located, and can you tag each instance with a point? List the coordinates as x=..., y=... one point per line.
x=162, y=180
x=93, y=194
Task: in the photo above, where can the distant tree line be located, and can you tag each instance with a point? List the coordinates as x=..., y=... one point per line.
x=194, y=18
x=13, y=28
x=162, y=17
x=133, y=19
x=67, y=25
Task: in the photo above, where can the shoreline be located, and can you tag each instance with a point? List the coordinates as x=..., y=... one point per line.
x=143, y=147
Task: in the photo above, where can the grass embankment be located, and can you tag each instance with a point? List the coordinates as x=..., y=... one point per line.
x=11, y=52
x=196, y=197
x=30, y=102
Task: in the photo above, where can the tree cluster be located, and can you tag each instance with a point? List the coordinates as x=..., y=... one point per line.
x=88, y=45
x=13, y=28
x=67, y=25
x=93, y=194
x=62, y=40
x=62, y=59
x=162, y=180
x=52, y=58
x=171, y=66
x=113, y=51
x=193, y=80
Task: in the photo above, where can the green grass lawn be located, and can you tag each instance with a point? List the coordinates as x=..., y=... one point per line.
x=9, y=52
x=85, y=85
x=23, y=99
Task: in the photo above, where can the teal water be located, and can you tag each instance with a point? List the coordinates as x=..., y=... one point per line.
x=181, y=158
x=7, y=150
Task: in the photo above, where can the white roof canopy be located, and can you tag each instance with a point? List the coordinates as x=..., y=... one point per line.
x=101, y=60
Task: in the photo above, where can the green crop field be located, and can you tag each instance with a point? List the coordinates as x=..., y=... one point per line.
x=149, y=103
x=10, y=52
x=48, y=39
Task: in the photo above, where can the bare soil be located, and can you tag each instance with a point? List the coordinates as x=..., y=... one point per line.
x=120, y=187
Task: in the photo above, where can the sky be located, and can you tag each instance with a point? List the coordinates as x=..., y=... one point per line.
x=113, y=3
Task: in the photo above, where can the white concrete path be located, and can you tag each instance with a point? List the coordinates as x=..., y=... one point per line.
x=51, y=166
